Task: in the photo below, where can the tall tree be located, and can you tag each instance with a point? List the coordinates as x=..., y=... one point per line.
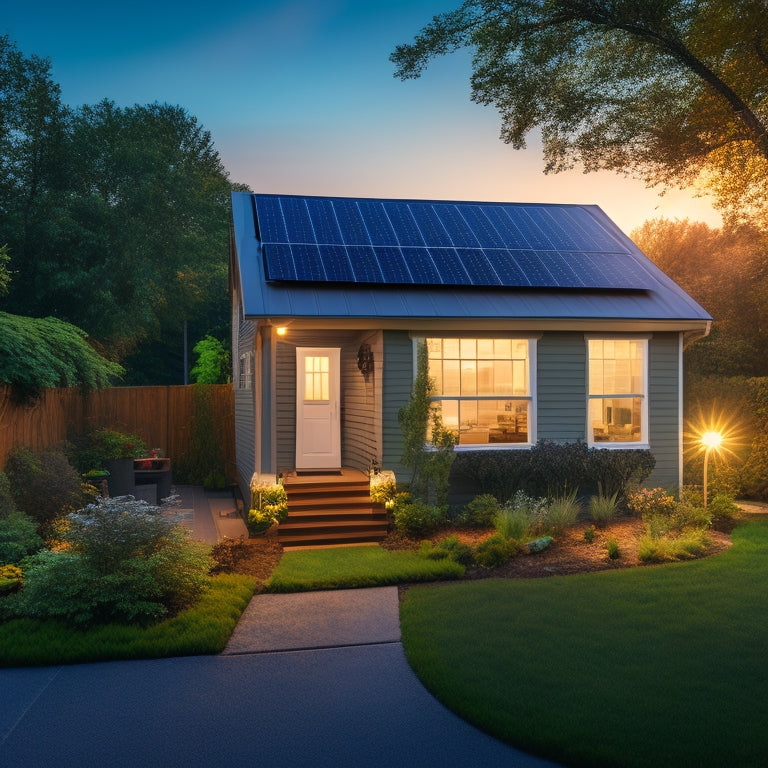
x=673, y=91
x=116, y=218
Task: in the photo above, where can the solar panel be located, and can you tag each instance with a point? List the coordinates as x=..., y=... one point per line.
x=432, y=243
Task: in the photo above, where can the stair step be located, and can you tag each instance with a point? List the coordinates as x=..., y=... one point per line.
x=329, y=539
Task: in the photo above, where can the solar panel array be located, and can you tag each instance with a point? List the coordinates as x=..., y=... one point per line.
x=401, y=242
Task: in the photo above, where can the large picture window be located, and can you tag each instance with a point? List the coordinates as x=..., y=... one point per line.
x=483, y=388
x=617, y=390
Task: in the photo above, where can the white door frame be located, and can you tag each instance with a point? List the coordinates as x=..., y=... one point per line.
x=318, y=418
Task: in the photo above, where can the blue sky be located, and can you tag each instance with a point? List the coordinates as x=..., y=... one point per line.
x=299, y=98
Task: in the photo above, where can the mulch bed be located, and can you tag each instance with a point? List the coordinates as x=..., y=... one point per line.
x=569, y=553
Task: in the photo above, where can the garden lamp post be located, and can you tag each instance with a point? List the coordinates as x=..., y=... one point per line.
x=711, y=441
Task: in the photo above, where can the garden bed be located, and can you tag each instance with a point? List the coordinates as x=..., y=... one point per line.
x=569, y=553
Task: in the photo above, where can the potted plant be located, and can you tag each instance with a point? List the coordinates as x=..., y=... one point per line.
x=269, y=505
x=115, y=451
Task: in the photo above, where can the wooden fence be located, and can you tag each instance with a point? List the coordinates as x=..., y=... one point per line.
x=162, y=416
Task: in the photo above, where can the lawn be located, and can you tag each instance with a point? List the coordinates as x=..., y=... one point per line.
x=203, y=629
x=348, y=567
x=662, y=665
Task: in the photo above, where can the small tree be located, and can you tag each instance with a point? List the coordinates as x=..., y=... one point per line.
x=431, y=461
x=212, y=365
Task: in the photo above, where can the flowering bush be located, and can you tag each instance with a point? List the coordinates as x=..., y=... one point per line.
x=269, y=505
x=122, y=560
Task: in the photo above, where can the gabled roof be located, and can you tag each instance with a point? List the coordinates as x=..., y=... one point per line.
x=318, y=257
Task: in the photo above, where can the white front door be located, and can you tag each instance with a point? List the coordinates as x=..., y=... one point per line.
x=318, y=423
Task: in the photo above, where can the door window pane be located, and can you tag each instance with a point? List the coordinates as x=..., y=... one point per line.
x=317, y=378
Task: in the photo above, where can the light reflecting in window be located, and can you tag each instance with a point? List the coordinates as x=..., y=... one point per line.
x=317, y=381
x=482, y=387
x=616, y=390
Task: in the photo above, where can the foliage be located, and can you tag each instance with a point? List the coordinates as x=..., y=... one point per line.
x=521, y=517
x=5, y=275
x=204, y=456
x=494, y=551
x=353, y=567
x=116, y=218
x=212, y=366
x=589, y=534
x=18, y=537
x=414, y=518
x=7, y=505
x=43, y=484
x=451, y=547
x=269, y=505
x=619, y=639
x=125, y=561
x=614, y=552
x=37, y=353
x=204, y=628
x=419, y=421
x=383, y=487
x=103, y=445
x=668, y=90
x=10, y=578
x=562, y=512
x=603, y=508
x=481, y=510
x=549, y=466
x=662, y=549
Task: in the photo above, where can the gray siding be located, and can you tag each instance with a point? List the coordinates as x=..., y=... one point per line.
x=561, y=386
x=245, y=408
x=286, y=407
x=361, y=405
x=396, y=385
x=663, y=409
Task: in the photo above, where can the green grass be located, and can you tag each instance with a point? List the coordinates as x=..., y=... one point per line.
x=202, y=629
x=663, y=665
x=364, y=566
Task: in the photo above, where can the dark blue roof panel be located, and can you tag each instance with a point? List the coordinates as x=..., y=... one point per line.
x=364, y=241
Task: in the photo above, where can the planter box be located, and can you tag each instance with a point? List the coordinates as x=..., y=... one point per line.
x=154, y=472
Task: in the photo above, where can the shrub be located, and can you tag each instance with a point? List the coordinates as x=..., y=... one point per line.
x=650, y=501
x=44, y=485
x=521, y=517
x=603, y=508
x=127, y=562
x=613, y=549
x=589, y=534
x=724, y=512
x=10, y=578
x=269, y=505
x=414, y=518
x=494, y=551
x=7, y=505
x=481, y=510
x=450, y=547
x=562, y=512
x=18, y=537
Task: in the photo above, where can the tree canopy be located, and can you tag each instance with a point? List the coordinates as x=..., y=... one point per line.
x=672, y=91
x=116, y=218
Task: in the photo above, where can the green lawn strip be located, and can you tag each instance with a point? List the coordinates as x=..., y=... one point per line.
x=202, y=629
x=662, y=665
x=363, y=566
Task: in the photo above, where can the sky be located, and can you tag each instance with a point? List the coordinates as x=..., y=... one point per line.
x=299, y=98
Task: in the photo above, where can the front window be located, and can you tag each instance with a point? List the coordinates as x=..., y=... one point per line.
x=483, y=388
x=245, y=371
x=617, y=390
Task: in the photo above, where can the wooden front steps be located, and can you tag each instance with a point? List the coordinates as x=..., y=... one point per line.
x=328, y=510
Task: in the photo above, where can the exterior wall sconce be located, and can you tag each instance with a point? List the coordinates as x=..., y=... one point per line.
x=281, y=330
x=365, y=360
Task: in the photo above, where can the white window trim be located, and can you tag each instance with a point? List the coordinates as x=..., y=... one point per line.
x=532, y=399
x=245, y=371
x=644, y=420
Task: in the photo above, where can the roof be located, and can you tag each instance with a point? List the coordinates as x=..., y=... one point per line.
x=388, y=260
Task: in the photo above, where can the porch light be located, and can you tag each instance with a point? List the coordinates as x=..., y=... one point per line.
x=281, y=330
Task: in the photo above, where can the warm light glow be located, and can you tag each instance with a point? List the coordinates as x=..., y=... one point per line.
x=711, y=440
x=282, y=330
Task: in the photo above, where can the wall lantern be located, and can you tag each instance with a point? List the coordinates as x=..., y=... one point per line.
x=365, y=360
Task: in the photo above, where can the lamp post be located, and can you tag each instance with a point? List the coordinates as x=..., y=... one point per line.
x=711, y=441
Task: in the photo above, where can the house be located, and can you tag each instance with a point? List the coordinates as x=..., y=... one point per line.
x=540, y=321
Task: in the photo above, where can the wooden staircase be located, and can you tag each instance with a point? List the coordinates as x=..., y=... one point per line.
x=328, y=510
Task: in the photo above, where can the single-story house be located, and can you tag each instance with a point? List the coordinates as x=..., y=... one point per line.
x=540, y=321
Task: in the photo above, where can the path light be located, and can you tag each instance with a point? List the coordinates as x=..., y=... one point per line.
x=711, y=441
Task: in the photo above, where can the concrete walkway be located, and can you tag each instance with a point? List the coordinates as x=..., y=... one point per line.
x=315, y=679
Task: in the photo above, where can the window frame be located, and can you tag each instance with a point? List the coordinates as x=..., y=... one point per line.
x=245, y=371
x=644, y=396
x=530, y=398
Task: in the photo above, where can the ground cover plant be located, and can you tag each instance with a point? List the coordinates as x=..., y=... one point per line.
x=630, y=667
x=203, y=629
x=363, y=566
